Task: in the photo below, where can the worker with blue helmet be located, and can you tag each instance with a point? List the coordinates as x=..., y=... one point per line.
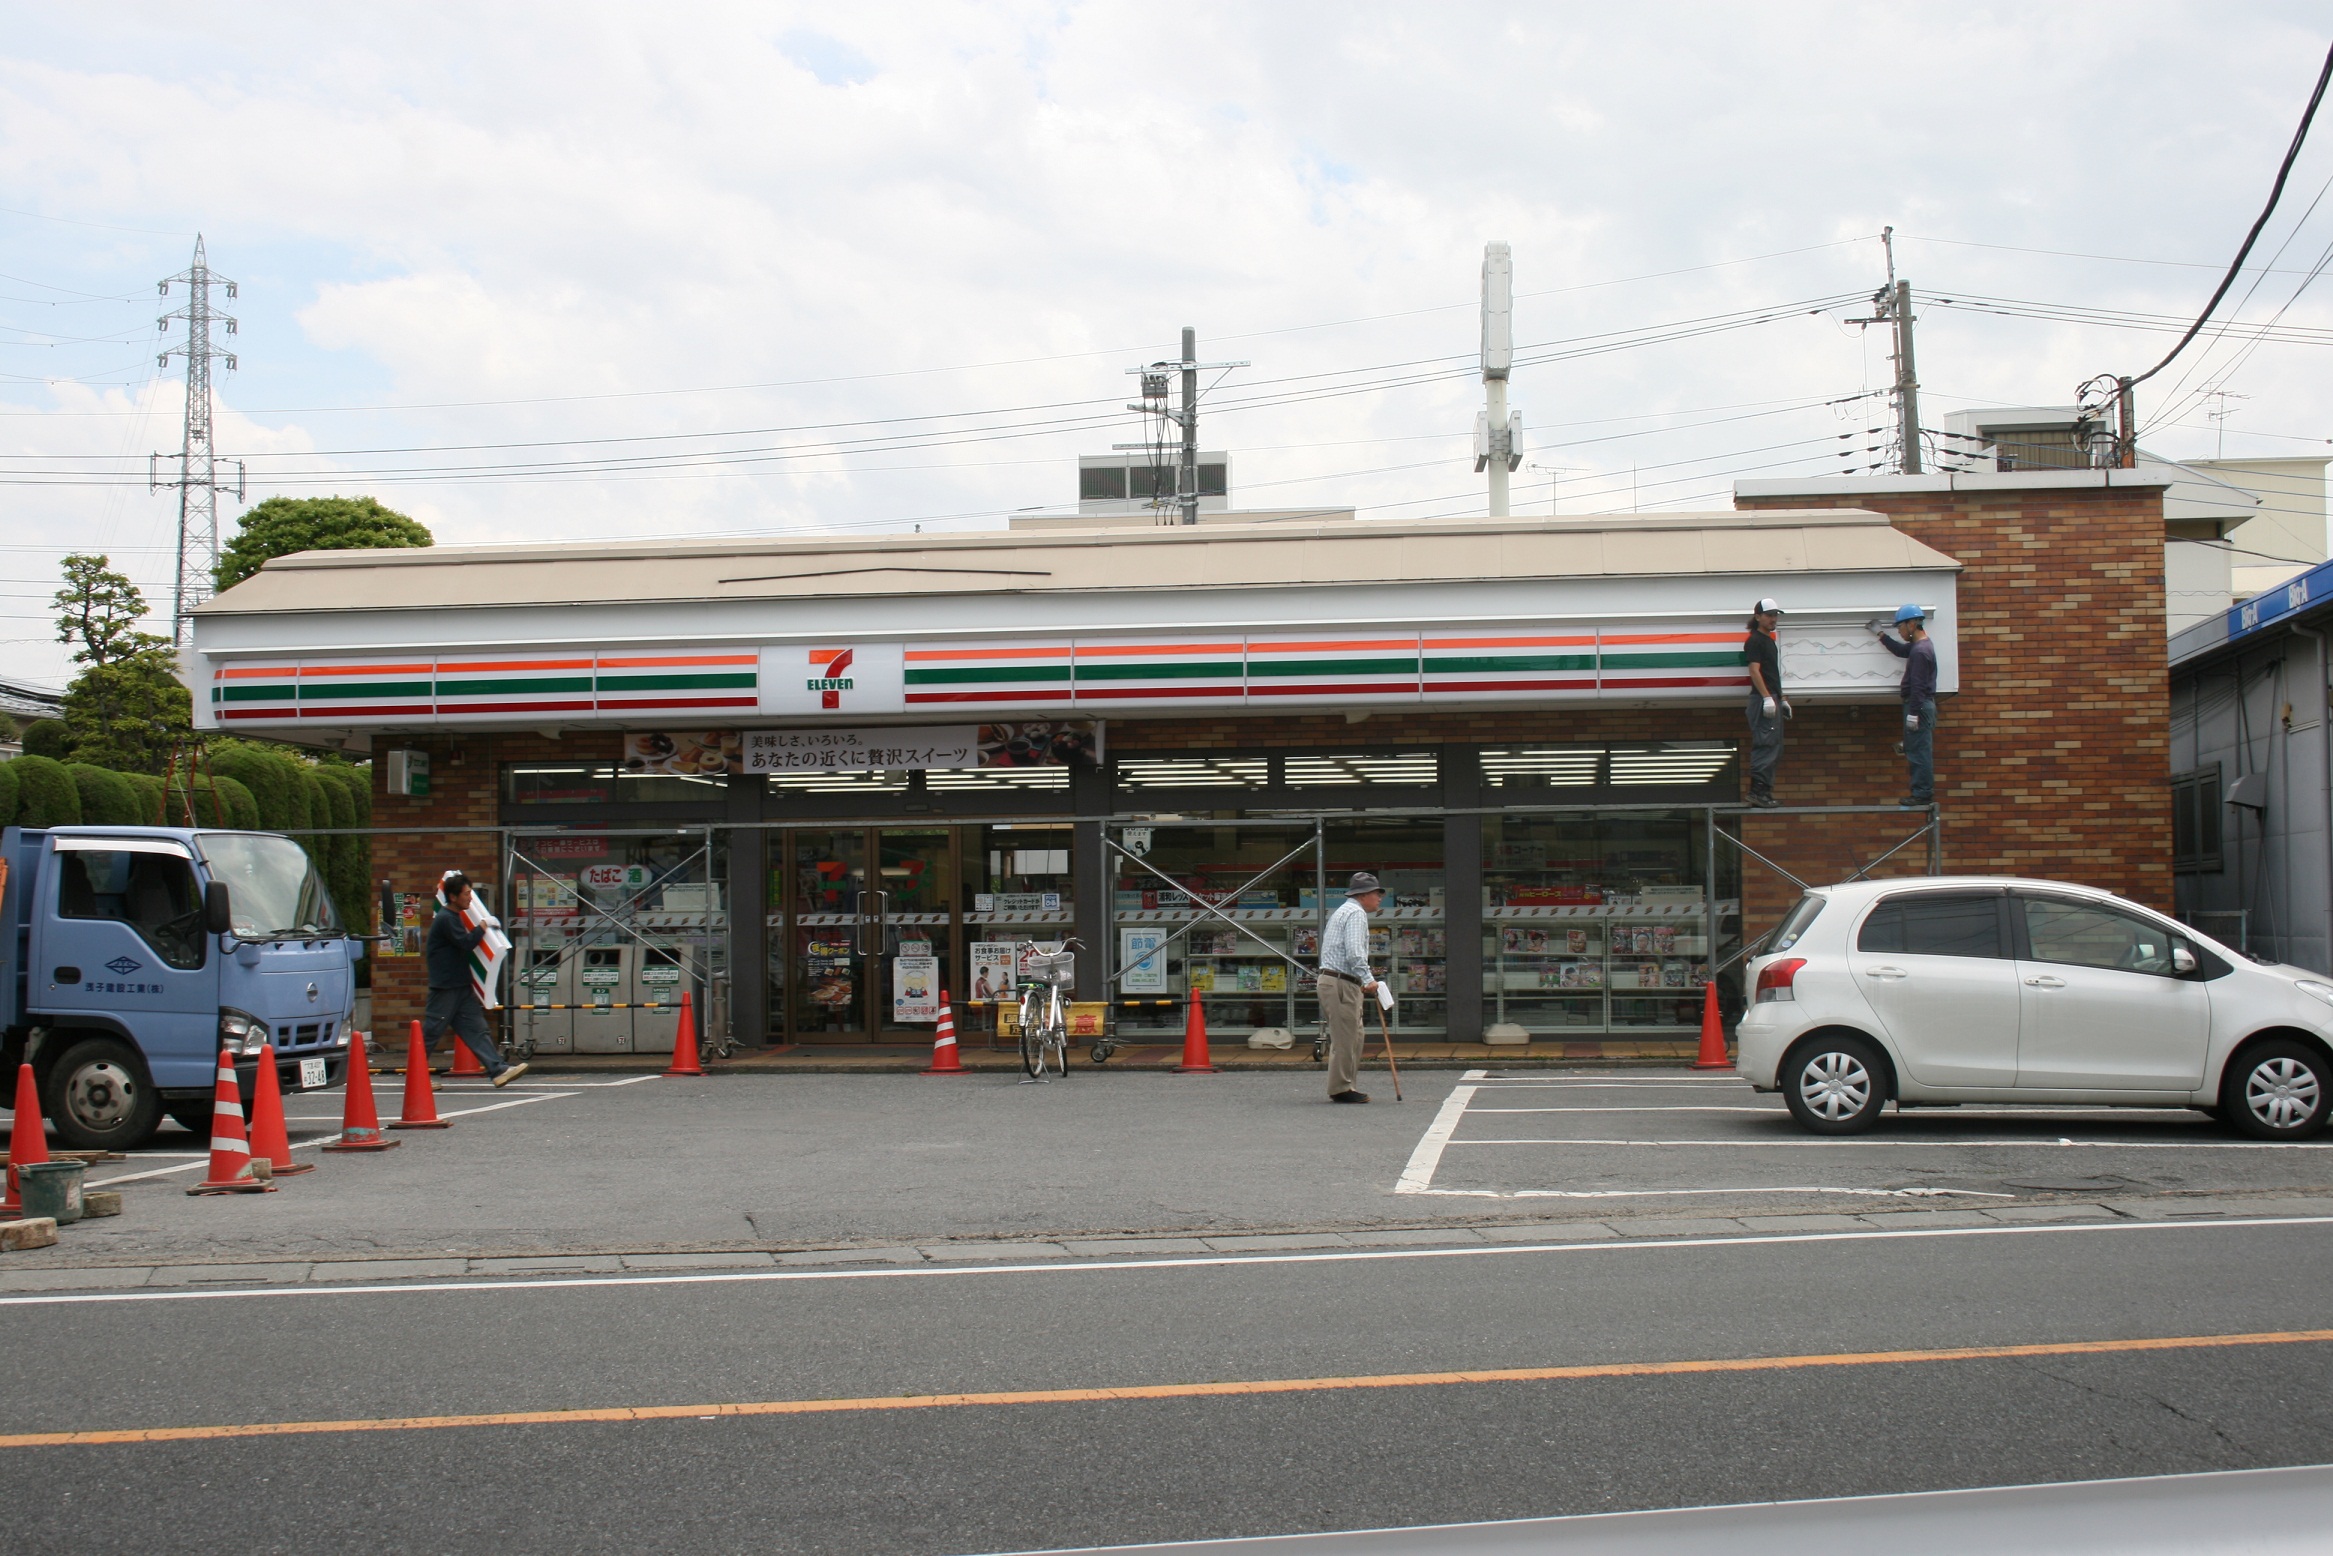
x=1918, y=691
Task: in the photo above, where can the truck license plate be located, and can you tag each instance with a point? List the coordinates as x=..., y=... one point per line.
x=311, y=1074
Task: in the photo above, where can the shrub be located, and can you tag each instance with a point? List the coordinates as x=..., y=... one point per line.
x=242, y=808
x=269, y=775
x=107, y=800
x=149, y=792
x=7, y=793
x=48, y=737
x=45, y=793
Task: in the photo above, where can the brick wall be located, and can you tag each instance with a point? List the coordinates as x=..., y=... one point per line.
x=2054, y=758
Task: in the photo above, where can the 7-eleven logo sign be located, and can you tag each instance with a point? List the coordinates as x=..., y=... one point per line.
x=828, y=679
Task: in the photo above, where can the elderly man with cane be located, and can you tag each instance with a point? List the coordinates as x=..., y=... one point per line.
x=1346, y=981
x=462, y=933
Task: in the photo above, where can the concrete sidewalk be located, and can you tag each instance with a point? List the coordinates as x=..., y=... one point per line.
x=975, y=1054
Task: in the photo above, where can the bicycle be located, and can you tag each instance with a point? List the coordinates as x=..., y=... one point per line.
x=1044, y=1020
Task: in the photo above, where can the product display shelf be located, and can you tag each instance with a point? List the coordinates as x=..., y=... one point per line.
x=1623, y=964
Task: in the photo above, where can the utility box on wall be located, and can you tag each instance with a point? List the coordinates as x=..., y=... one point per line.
x=409, y=773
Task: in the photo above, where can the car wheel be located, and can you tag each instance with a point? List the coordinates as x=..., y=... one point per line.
x=99, y=1098
x=2277, y=1090
x=1835, y=1085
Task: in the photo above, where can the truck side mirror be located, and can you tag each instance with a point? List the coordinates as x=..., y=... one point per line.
x=218, y=911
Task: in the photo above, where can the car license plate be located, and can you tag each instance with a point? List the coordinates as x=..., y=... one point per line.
x=311, y=1074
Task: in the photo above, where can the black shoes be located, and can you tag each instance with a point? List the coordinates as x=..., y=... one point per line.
x=1350, y=1096
x=1764, y=801
x=1914, y=802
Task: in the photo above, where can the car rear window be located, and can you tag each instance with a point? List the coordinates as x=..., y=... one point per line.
x=1927, y=925
x=1801, y=915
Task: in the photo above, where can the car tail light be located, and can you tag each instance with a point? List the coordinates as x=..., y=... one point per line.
x=1775, y=979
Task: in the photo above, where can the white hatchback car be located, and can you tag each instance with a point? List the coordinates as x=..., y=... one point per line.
x=1943, y=989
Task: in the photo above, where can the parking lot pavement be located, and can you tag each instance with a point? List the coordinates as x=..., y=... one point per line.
x=828, y=1168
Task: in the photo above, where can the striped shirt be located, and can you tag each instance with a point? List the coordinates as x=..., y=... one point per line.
x=1344, y=945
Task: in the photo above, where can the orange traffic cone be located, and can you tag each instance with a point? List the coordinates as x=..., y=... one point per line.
x=420, y=1102
x=465, y=1062
x=28, y=1140
x=233, y=1171
x=360, y=1124
x=684, y=1041
x=269, y=1138
x=1195, y=1059
x=945, y=1060
x=1712, y=1033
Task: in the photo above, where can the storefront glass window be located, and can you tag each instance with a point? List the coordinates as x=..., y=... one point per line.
x=609, y=931
x=1017, y=886
x=599, y=783
x=1595, y=923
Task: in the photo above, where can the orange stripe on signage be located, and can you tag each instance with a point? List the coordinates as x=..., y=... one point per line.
x=1114, y=650
x=493, y=666
x=313, y=672
x=255, y=673
x=607, y=663
x=1371, y=645
x=1054, y=651
x=1084, y=1396
x=1581, y=641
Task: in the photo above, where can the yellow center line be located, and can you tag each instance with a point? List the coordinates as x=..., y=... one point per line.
x=1386, y=1380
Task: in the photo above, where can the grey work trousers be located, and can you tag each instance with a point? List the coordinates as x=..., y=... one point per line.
x=1765, y=744
x=1920, y=749
x=1340, y=1007
x=459, y=1009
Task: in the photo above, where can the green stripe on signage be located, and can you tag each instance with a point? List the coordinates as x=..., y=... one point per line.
x=1309, y=667
x=341, y=691
x=560, y=683
x=668, y=683
x=1729, y=657
x=970, y=674
x=1162, y=670
x=1480, y=663
x=283, y=693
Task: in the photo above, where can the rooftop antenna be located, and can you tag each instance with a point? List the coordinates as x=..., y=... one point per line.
x=198, y=478
x=1498, y=434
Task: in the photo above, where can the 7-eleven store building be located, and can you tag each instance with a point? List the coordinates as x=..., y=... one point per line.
x=819, y=780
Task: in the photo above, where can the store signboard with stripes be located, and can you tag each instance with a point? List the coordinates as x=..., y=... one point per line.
x=1046, y=677
x=477, y=689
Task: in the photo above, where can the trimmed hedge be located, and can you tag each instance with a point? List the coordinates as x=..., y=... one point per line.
x=217, y=803
x=242, y=806
x=271, y=777
x=51, y=738
x=107, y=798
x=149, y=789
x=345, y=864
x=45, y=793
x=7, y=793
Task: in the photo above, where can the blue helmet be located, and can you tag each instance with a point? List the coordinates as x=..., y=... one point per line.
x=1906, y=613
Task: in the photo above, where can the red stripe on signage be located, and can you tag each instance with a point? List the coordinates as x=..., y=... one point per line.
x=1334, y=689
x=1008, y=694
x=452, y=705
x=362, y=710
x=1677, y=680
x=1573, y=683
x=1110, y=693
x=678, y=702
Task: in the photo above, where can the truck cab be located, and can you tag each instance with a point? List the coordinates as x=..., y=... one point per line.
x=132, y=955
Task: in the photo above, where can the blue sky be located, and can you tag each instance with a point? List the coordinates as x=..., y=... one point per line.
x=886, y=264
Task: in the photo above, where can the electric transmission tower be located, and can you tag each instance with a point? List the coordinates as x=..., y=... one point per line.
x=197, y=480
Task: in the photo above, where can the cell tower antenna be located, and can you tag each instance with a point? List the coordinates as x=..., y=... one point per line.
x=199, y=468
x=1498, y=434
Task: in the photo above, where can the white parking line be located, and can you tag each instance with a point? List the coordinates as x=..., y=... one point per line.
x=1915, y=1193
x=1934, y=1145
x=1428, y=1155
x=298, y=1145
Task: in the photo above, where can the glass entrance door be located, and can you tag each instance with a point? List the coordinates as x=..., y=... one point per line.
x=872, y=930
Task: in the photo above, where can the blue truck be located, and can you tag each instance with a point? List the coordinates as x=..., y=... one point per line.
x=133, y=955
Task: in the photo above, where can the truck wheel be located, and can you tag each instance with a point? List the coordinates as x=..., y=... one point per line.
x=194, y=1118
x=99, y=1098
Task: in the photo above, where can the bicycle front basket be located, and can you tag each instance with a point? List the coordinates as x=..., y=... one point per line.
x=1058, y=968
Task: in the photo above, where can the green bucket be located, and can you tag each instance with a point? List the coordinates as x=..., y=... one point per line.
x=52, y=1189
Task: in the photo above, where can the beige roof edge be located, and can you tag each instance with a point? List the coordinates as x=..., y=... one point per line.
x=1350, y=532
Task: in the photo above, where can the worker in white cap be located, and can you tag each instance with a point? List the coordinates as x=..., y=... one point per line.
x=1918, y=691
x=1768, y=707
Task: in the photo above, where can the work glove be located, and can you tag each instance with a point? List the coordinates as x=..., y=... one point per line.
x=1769, y=708
x=1786, y=708
x=1911, y=721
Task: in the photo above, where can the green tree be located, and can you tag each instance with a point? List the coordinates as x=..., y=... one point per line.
x=49, y=738
x=7, y=793
x=283, y=525
x=127, y=709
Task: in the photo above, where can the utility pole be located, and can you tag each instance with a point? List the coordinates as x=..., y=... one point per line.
x=1497, y=431
x=1185, y=416
x=1892, y=304
x=197, y=480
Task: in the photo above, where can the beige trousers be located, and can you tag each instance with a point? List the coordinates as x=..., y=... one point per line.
x=1340, y=1006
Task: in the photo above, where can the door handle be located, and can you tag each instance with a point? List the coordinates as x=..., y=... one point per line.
x=1889, y=974
x=2045, y=983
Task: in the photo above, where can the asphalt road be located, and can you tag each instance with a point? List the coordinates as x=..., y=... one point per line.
x=642, y=1164
x=1084, y=1468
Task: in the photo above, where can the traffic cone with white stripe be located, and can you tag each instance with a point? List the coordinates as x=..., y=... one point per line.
x=28, y=1139
x=360, y=1122
x=233, y=1171
x=420, y=1111
x=945, y=1059
x=269, y=1138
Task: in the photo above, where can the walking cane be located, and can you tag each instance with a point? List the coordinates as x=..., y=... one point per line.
x=1389, y=1064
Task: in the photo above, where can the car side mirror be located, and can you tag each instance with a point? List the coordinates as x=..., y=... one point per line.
x=2182, y=960
x=218, y=910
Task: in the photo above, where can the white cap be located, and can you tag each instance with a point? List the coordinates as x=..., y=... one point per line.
x=1768, y=607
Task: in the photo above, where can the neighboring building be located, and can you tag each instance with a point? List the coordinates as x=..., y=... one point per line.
x=2232, y=527
x=22, y=703
x=837, y=771
x=1141, y=482
x=2251, y=749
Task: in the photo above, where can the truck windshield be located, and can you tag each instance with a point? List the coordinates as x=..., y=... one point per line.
x=272, y=885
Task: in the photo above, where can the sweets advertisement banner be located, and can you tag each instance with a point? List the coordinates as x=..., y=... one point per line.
x=705, y=752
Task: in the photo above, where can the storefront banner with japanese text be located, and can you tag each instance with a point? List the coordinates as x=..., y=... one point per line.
x=859, y=750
